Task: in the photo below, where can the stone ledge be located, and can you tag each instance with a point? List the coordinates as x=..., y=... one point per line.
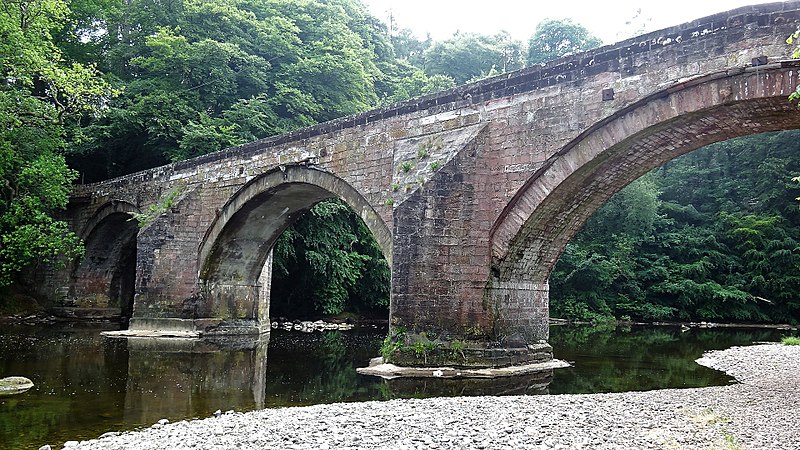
x=152, y=334
x=389, y=371
x=90, y=313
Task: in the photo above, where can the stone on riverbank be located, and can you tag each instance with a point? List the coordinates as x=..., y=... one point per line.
x=389, y=371
x=14, y=385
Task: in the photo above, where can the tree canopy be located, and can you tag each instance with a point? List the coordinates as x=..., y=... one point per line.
x=713, y=235
x=556, y=38
x=42, y=94
x=470, y=56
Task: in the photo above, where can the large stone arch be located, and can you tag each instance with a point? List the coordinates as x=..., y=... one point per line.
x=553, y=205
x=105, y=277
x=235, y=255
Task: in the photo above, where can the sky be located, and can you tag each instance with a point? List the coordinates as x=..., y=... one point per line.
x=610, y=22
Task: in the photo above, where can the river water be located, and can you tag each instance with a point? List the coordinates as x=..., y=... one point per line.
x=86, y=384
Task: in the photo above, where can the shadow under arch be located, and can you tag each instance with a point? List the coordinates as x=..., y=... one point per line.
x=235, y=255
x=106, y=275
x=547, y=212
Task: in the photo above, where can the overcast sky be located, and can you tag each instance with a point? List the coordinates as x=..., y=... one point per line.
x=605, y=19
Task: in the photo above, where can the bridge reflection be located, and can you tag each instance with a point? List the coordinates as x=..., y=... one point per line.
x=184, y=378
x=529, y=384
x=191, y=378
x=88, y=384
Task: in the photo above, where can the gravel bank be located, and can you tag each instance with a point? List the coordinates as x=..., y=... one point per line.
x=761, y=412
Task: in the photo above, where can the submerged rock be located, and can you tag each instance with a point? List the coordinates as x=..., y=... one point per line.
x=14, y=385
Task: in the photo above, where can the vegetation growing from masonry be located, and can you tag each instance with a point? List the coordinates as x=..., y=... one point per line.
x=156, y=209
x=421, y=346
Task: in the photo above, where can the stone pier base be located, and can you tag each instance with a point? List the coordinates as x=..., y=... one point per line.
x=200, y=327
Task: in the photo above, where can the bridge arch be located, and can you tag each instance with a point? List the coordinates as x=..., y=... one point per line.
x=235, y=255
x=555, y=202
x=105, y=277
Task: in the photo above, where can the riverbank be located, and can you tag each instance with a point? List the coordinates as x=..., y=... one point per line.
x=760, y=412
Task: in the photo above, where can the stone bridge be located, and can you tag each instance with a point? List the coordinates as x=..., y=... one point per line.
x=472, y=193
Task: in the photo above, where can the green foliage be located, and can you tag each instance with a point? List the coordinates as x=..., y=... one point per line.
x=389, y=347
x=201, y=75
x=42, y=96
x=790, y=340
x=330, y=258
x=156, y=209
x=393, y=343
x=422, y=346
x=457, y=349
x=406, y=166
x=791, y=40
x=713, y=235
x=408, y=48
x=415, y=83
x=470, y=56
x=556, y=38
x=436, y=165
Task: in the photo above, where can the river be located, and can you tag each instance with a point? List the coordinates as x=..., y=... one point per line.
x=87, y=384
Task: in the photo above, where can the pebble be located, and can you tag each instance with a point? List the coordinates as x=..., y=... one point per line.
x=758, y=412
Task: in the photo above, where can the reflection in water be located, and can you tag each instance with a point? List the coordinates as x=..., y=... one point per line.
x=86, y=385
x=179, y=378
x=530, y=384
x=638, y=358
x=306, y=369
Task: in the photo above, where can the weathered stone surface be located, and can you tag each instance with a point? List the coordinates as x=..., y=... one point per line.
x=471, y=193
x=14, y=385
x=390, y=371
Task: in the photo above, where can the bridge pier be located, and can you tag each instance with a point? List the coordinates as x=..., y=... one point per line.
x=522, y=311
x=447, y=307
x=219, y=309
x=510, y=327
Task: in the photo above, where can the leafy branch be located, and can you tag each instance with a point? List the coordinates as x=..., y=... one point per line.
x=156, y=209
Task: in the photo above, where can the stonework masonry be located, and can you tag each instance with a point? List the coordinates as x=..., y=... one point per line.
x=471, y=193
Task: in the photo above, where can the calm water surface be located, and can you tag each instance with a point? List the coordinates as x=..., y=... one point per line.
x=87, y=384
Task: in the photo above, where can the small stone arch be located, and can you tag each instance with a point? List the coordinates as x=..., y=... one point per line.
x=235, y=255
x=109, y=208
x=106, y=276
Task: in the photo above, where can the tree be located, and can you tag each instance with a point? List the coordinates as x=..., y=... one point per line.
x=405, y=81
x=192, y=69
x=722, y=243
x=470, y=56
x=330, y=258
x=407, y=47
x=42, y=98
x=556, y=38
